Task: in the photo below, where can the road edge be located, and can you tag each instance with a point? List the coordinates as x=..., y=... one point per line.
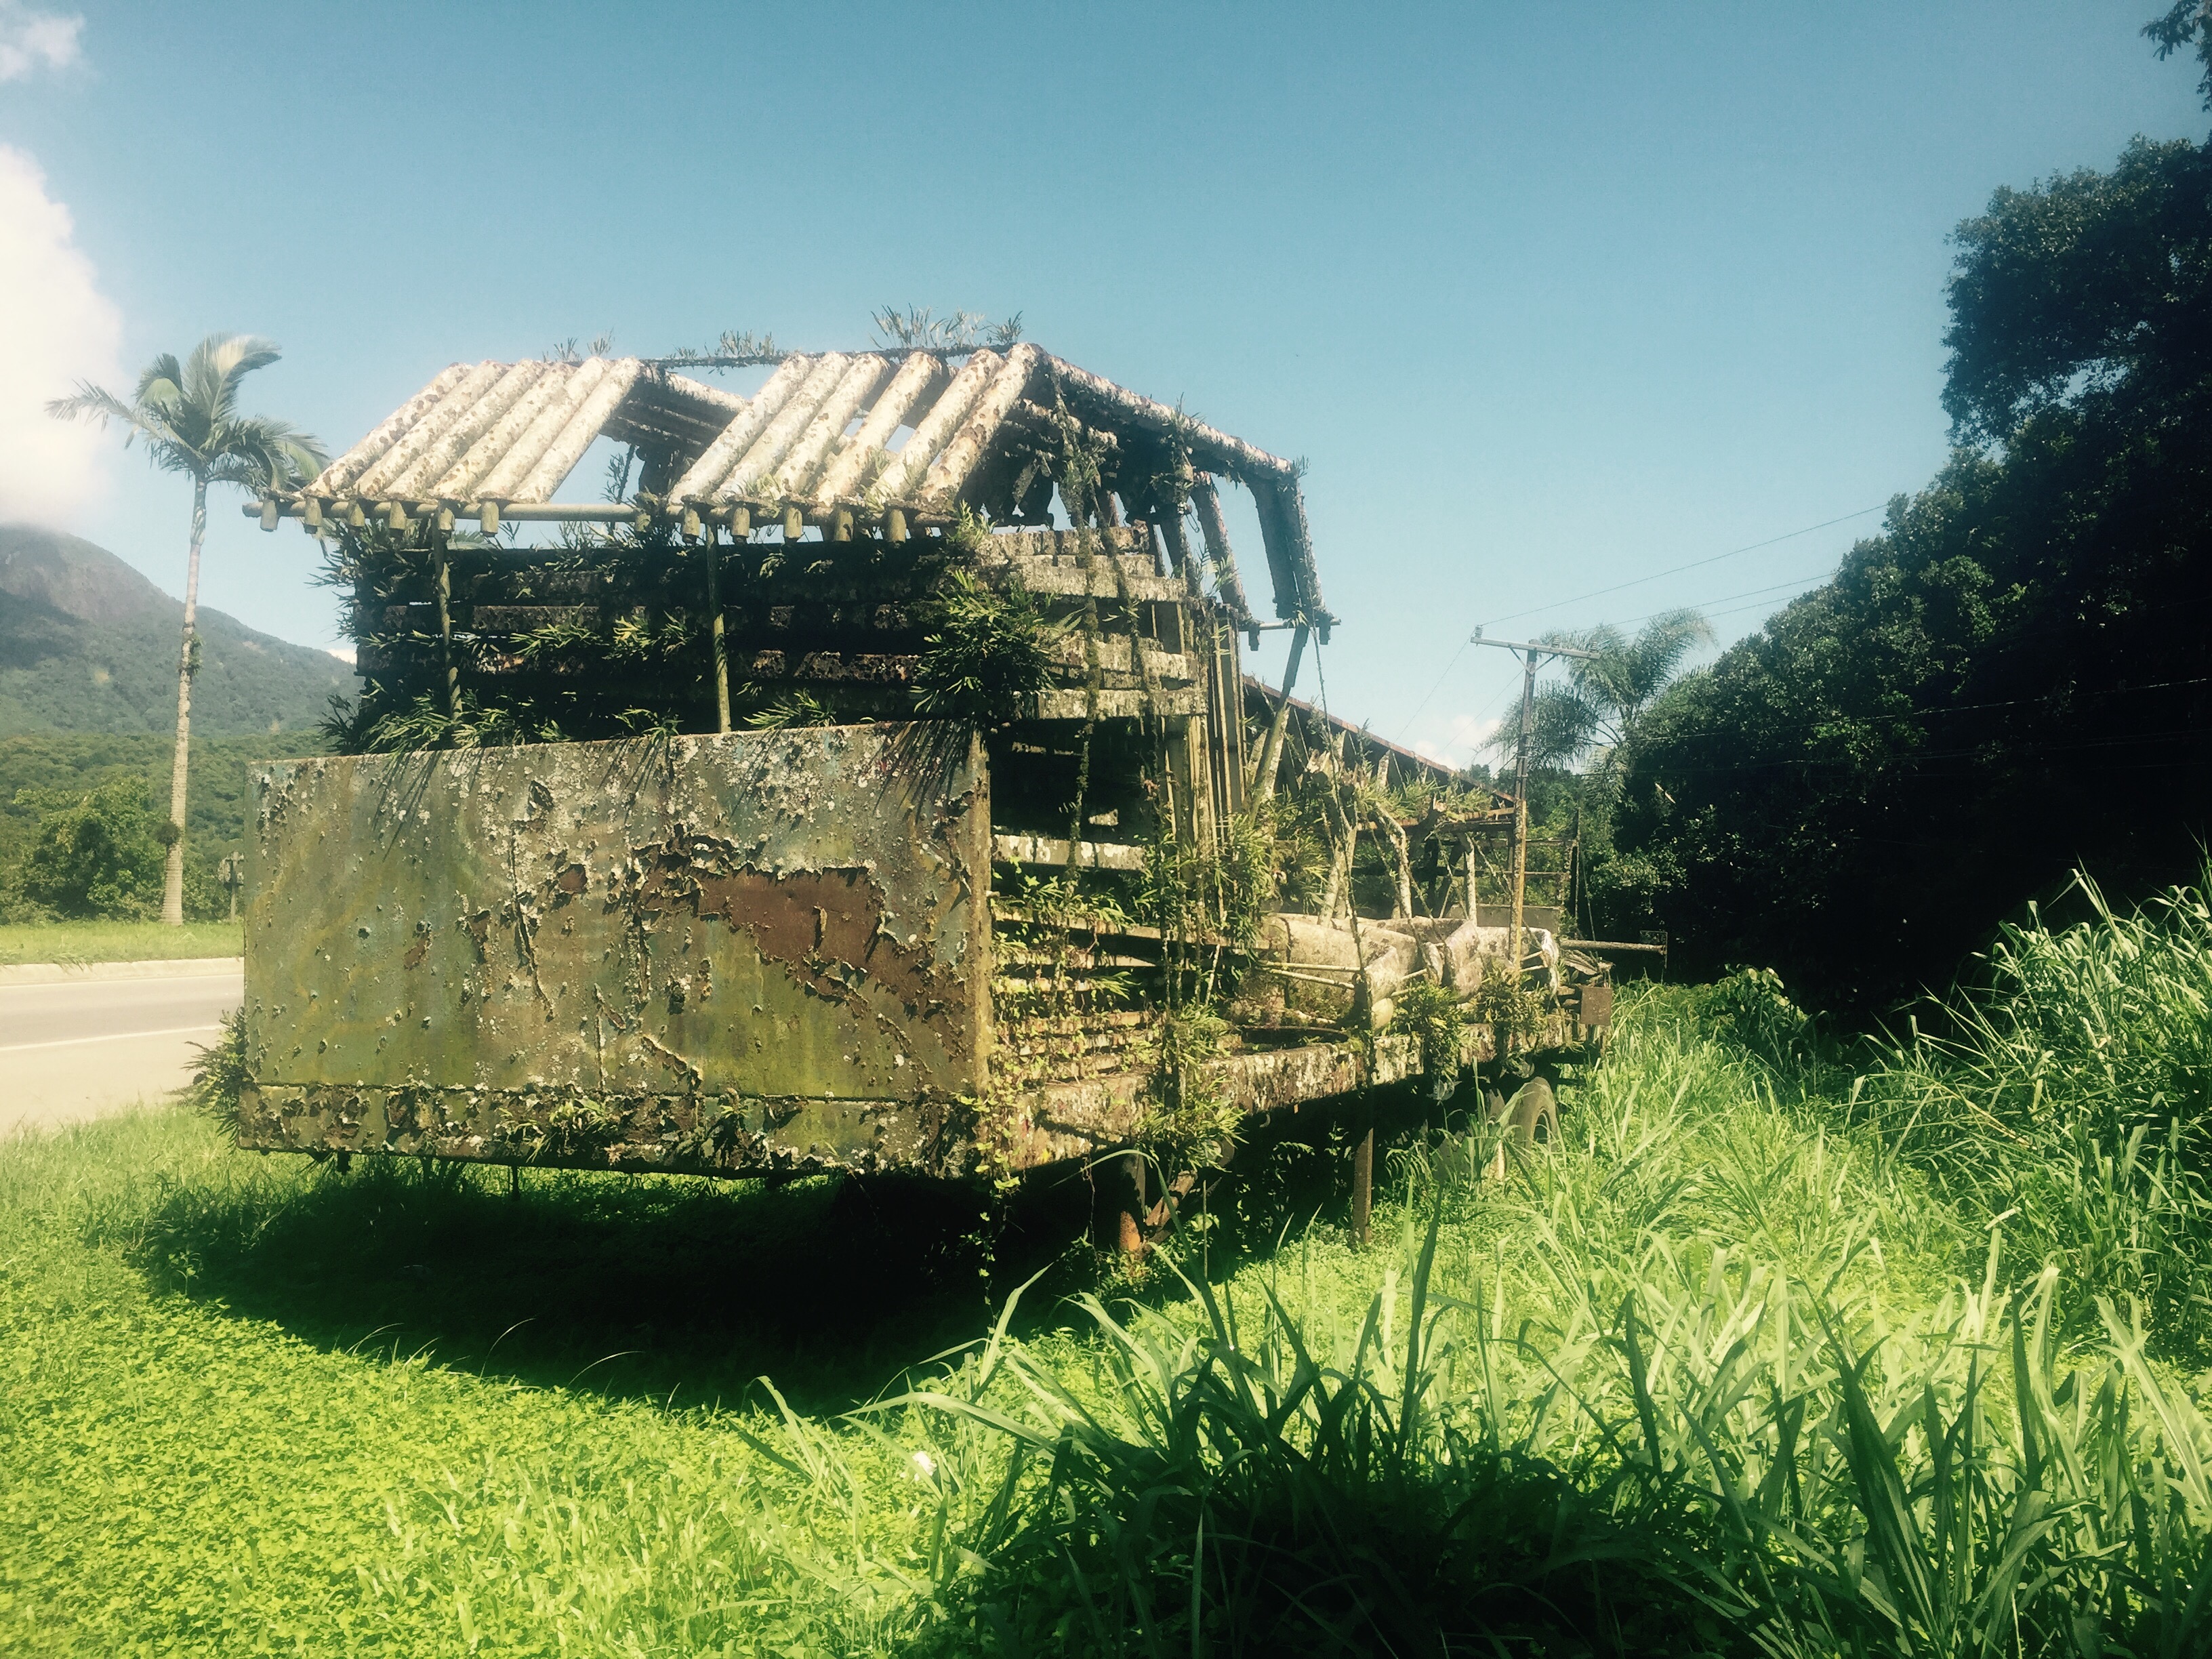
x=86, y=973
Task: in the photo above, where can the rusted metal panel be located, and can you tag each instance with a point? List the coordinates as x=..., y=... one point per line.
x=719, y=953
x=1595, y=1007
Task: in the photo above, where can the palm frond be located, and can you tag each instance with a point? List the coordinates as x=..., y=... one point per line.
x=161, y=381
x=187, y=414
x=218, y=363
x=1590, y=714
x=1566, y=723
x=148, y=420
x=90, y=402
x=262, y=452
x=1657, y=653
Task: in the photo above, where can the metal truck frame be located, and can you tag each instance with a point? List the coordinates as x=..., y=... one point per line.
x=875, y=930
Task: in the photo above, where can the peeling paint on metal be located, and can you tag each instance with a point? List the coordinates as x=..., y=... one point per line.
x=713, y=952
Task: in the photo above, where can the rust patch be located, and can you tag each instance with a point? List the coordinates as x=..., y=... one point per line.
x=419, y=949
x=826, y=926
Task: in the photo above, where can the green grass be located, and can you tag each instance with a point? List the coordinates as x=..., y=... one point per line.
x=209, y=1444
x=1751, y=1361
x=118, y=941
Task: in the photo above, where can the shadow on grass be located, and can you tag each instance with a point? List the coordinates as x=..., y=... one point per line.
x=681, y=1292
x=687, y=1291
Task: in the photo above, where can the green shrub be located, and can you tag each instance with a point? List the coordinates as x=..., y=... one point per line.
x=1433, y=1013
x=986, y=651
x=95, y=855
x=219, y=1074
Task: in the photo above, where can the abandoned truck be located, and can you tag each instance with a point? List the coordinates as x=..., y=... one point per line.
x=869, y=781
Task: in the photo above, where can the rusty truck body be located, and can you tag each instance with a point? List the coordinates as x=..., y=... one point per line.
x=682, y=865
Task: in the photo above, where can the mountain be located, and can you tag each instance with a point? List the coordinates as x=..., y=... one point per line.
x=88, y=645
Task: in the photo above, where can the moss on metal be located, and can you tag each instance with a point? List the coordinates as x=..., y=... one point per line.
x=585, y=952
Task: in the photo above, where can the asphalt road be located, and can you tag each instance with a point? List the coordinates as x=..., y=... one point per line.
x=75, y=1050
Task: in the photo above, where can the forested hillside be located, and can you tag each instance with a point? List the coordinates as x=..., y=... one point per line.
x=88, y=702
x=87, y=644
x=2012, y=678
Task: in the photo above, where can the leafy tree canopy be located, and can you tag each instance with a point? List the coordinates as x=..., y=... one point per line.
x=2095, y=287
x=1593, y=712
x=96, y=855
x=2011, y=678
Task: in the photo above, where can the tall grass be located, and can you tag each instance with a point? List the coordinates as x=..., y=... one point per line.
x=1720, y=1468
x=1773, y=1354
x=1780, y=1348
x=2069, y=1094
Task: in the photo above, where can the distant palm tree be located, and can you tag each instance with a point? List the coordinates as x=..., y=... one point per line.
x=1592, y=713
x=188, y=415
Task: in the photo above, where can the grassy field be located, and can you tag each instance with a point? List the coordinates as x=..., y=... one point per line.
x=118, y=941
x=1781, y=1349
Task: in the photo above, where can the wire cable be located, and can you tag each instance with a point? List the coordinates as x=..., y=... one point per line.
x=1748, y=594
x=1693, y=565
x=1429, y=696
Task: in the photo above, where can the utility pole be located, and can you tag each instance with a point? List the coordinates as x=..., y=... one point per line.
x=1530, y=655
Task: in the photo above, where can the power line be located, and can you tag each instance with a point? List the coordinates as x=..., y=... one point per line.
x=1678, y=569
x=1748, y=594
x=1429, y=695
x=1832, y=717
x=1774, y=587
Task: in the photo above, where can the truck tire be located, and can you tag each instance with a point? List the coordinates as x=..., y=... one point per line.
x=1535, y=1111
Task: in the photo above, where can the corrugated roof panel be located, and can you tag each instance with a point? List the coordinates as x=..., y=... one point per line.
x=911, y=464
x=704, y=480
x=956, y=461
x=504, y=481
x=341, y=473
x=729, y=403
x=436, y=421
x=463, y=483
x=512, y=433
x=757, y=466
x=563, y=454
x=423, y=474
x=865, y=372
x=855, y=465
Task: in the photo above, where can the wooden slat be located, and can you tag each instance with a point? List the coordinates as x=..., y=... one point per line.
x=1052, y=850
x=1076, y=705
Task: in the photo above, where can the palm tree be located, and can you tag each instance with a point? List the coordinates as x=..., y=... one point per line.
x=188, y=415
x=1592, y=713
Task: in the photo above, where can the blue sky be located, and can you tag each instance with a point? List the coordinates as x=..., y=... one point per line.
x=1549, y=298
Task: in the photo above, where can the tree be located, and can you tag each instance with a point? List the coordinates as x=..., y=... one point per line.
x=187, y=414
x=2009, y=682
x=97, y=855
x=2092, y=292
x=1593, y=712
x=2186, y=27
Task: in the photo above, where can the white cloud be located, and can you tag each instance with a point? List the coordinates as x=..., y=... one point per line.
x=1460, y=743
x=56, y=329
x=31, y=39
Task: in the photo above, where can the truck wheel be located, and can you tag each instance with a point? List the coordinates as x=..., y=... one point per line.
x=1536, y=1113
